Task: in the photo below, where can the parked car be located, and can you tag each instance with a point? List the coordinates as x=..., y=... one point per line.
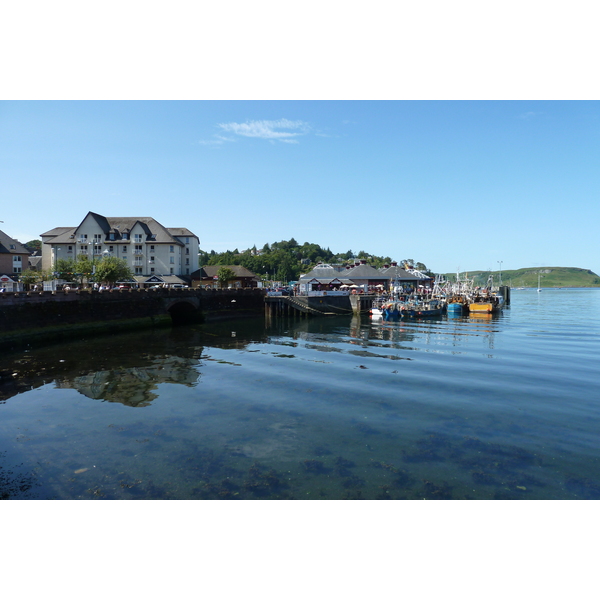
x=178, y=286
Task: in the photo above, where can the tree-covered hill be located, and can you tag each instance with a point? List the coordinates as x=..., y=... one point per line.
x=286, y=260
x=550, y=277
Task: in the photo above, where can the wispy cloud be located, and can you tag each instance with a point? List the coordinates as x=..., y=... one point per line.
x=529, y=115
x=217, y=140
x=282, y=130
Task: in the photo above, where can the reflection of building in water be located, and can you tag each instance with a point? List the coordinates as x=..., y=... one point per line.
x=134, y=386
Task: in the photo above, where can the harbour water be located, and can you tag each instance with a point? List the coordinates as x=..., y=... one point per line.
x=502, y=407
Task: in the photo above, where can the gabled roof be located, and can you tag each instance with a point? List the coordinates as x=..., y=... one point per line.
x=154, y=231
x=323, y=272
x=180, y=232
x=57, y=231
x=7, y=243
x=399, y=273
x=364, y=272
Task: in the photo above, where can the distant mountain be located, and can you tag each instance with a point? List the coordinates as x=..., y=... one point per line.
x=551, y=277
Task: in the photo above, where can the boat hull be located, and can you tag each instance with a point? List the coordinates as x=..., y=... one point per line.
x=455, y=308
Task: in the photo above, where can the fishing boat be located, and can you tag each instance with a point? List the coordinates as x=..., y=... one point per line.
x=486, y=301
x=459, y=294
x=433, y=307
x=377, y=308
x=413, y=308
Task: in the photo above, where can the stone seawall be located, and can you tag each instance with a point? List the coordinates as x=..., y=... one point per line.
x=49, y=315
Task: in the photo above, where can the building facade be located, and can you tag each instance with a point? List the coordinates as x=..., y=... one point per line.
x=206, y=277
x=14, y=256
x=148, y=248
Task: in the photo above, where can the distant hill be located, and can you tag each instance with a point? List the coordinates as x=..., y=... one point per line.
x=551, y=277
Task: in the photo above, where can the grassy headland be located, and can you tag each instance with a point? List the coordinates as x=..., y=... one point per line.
x=551, y=277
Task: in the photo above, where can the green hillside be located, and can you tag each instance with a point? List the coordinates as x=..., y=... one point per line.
x=551, y=277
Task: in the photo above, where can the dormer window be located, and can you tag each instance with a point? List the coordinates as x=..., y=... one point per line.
x=125, y=236
x=111, y=236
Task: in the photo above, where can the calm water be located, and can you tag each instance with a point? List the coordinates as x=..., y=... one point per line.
x=467, y=408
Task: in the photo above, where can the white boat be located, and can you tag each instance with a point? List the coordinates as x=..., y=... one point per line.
x=539, y=285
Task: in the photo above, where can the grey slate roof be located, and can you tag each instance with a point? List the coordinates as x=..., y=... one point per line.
x=6, y=242
x=364, y=272
x=399, y=273
x=120, y=225
x=320, y=272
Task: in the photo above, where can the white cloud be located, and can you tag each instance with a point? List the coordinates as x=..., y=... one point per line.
x=282, y=130
x=529, y=115
x=217, y=141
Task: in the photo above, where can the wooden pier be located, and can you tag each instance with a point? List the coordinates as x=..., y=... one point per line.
x=318, y=306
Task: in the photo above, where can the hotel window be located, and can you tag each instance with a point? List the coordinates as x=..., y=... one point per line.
x=172, y=260
x=111, y=249
x=17, y=262
x=124, y=249
x=151, y=248
x=152, y=260
x=187, y=261
x=152, y=270
x=138, y=237
x=138, y=270
x=171, y=248
x=83, y=250
x=70, y=249
x=97, y=238
x=187, y=240
x=187, y=250
x=83, y=238
x=137, y=250
x=172, y=271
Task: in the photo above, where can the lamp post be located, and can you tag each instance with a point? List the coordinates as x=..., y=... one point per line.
x=500, y=263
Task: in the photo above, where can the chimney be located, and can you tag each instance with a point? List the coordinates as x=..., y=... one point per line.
x=394, y=264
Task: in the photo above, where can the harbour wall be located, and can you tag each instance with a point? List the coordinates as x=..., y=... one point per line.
x=43, y=316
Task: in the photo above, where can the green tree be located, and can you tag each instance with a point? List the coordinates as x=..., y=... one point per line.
x=224, y=275
x=30, y=277
x=64, y=268
x=111, y=269
x=34, y=245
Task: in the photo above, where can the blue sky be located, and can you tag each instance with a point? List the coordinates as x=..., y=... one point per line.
x=454, y=184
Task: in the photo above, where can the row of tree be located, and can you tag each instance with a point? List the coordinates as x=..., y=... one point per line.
x=107, y=270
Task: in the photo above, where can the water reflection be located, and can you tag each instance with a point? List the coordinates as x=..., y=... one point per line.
x=305, y=408
x=126, y=369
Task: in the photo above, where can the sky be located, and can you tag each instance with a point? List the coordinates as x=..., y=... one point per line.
x=457, y=185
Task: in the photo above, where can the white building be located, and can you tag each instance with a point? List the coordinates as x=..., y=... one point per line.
x=149, y=248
